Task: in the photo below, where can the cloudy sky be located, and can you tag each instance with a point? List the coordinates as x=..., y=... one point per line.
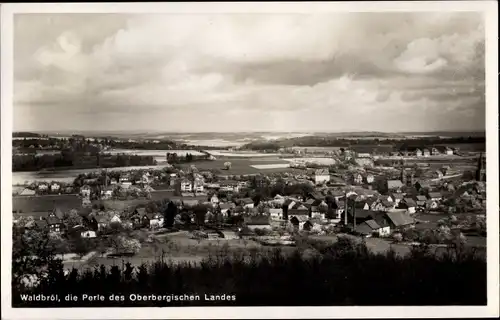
x=256, y=72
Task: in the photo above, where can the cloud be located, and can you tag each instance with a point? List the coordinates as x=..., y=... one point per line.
x=297, y=70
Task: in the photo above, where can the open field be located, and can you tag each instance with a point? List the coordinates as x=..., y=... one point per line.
x=153, y=153
x=245, y=154
x=66, y=176
x=242, y=166
x=28, y=204
x=320, y=160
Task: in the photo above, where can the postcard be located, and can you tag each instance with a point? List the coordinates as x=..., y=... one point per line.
x=249, y=160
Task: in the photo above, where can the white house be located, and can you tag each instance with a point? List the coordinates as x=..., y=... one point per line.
x=186, y=186
x=370, y=178
x=214, y=200
x=321, y=176
x=43, y=187
x=55, y=187
x=107, y=193
x=126, y=184
x=358, y=178
x=435, y=196
x=116, y=218
x=85, y=191
x=276, y=214
x=449, y=151
x=88, y=234
x=27, y=192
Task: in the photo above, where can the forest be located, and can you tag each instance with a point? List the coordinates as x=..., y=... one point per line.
x=345, y=273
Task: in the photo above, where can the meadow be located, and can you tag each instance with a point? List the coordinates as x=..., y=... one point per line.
x=244, y=166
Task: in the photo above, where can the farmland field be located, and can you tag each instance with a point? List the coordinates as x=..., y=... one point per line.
x=242, y=166
x=153, y=153
x=65, y=176
x=26, y=204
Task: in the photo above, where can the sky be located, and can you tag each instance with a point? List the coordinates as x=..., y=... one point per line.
x=391, y=72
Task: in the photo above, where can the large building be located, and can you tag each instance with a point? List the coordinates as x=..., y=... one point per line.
x=321, y=176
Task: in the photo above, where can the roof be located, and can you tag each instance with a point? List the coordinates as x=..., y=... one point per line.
x=246, y=201
x=387, y=203
x=421, y=198
x=410, y=202
x=298, y=212
x=394, y=184
x=321, y=172
x=53, y=220
x=226, y=205
x=140, y=211
x=364, y=155
x=399, y=218
x=58, y=213
x=41, y=223
x=435, y=195
x=398, y=196
x=372, y=224
x=363, y=228
x=363, y=213
x=190, y=202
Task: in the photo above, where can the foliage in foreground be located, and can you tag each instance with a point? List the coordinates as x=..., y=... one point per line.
x=344, y=273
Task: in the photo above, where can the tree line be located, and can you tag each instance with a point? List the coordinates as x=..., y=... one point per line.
x=73, y=160
x=399, y=144
x=345, y=273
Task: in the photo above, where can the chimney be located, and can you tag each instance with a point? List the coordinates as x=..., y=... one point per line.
x=354, y=215
x=345, y=209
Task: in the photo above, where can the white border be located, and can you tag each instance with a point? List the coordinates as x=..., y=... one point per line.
x=490, y=9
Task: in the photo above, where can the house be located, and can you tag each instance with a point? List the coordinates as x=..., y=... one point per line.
x=107, y=193
x=361, y=215
x=55, y=187
x=126, y=184
x=214, y=200
x=155, y=220
x=418, y=153
x=438, y=174
x=394, y=185
x=386, y=198
x=370, y=227
x=432, y=204
x=103, y=222
x=186, y=186
x=278, y=199
x=399, y=219
x=409, y=204
x=426, y=153
x=369, y=178
x=435, y=151
x=449, y=151
x=27, y=192
x=397, y=198
x=436, y=196
x=113, y=181
x=386, y=206
x=226, y=207
x=258, y=222
x=43, y=187
x=321, y=176
x=276, y=214
x=88, y=234
x=421, y=200
x=229, y=185
x=362, y=205
x=358, y=178
x=247, y=203
x=115, y=219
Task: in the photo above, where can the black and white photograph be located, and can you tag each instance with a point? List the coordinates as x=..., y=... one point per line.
x=249, y=155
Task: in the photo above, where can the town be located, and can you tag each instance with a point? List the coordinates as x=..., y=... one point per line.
x=183, y=210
